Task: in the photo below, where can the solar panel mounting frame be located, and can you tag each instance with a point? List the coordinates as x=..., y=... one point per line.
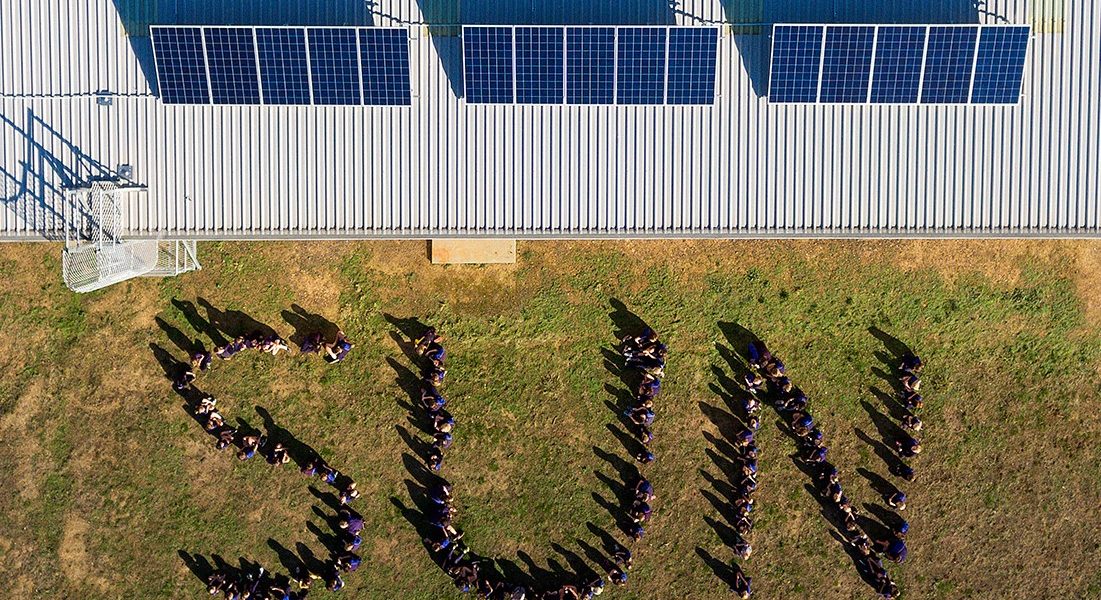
x=925, y=52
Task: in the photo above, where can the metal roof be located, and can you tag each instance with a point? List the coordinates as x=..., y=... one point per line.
x=741, y=168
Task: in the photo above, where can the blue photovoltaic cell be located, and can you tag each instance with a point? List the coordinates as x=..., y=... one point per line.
x=335, y=66
x=949, y=61
x=384, y=56
x=231, y=61
x=181, y=66
x=796, y=62
x=640, y=77
x=284, y=71
x=693, y=52
x=488, y=65
x=590, y=65
x=847, y=64
x=896, y=78
x=999, y=69
x=540, y=65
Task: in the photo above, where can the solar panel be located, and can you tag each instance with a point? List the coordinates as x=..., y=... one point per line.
x=949, y=63
x=590, y=65
x=181, y=65
x=335, y=66
x=637, y=65
x=231, y=62
x=796, y=63
x=284, y=69
x=640, y=74
x=540, y=65
x=847, y=64
x=999, y=66
x=488, y=65
x=897, y=73
x=693, y=53
x=384, y=58
x=906, y=64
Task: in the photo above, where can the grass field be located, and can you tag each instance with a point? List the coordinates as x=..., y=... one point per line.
x=109, y=483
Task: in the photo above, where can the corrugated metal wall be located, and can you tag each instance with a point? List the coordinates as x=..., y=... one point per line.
x=740, y=168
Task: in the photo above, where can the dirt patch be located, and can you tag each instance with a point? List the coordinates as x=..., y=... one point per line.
x=76, y=563
x=16, y=435
x=1088, y=279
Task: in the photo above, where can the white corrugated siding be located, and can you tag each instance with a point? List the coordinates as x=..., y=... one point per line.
x=740, y=168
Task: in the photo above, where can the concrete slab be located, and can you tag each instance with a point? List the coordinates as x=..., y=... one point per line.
x=473, y=252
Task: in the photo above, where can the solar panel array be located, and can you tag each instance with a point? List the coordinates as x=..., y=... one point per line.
x=345, y=66
x=898, y=64
x=590, y=65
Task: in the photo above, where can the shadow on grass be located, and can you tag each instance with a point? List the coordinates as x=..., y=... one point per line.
x=234, y=323
x=306, y=323
x=625, y=321
x=300, y=452
x=724, y=571
x=181, y=340
x=198, y=323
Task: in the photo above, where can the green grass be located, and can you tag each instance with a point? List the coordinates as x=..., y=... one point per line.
x=113, y=479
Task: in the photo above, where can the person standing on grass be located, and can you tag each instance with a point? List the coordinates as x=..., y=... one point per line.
x=349, y=493
x=349, y=521
x=910, y=363
x=278, y=455
x=758, y=355
x=908, y=448
x=912, y=400
x=741, y=585
x=312, y=344
x=339, y=349
x=249, y=445
x=910, y=382
x=912, y=423
x=273, y=345
x=201, y=360
x=424, y=342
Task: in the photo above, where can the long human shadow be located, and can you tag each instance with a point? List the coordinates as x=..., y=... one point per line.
x=881, y=485
x=198, y=323
x=886, y=519
x=411, y=385
x=738, y=337
x=300, y=452
x=173, y=368
x=306, y=323
x=181, y=340
x=723, y=420
x=895, y=346
x=894, y=407
x=288, y=559
x=724, y=571
x=886, y=454
x=197, y=564
x=888, y=430
x=624, y=320
x=409, y=328
x=233, y=323
x=171, y=365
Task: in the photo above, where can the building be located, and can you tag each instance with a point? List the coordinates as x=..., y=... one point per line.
x=78, y=101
